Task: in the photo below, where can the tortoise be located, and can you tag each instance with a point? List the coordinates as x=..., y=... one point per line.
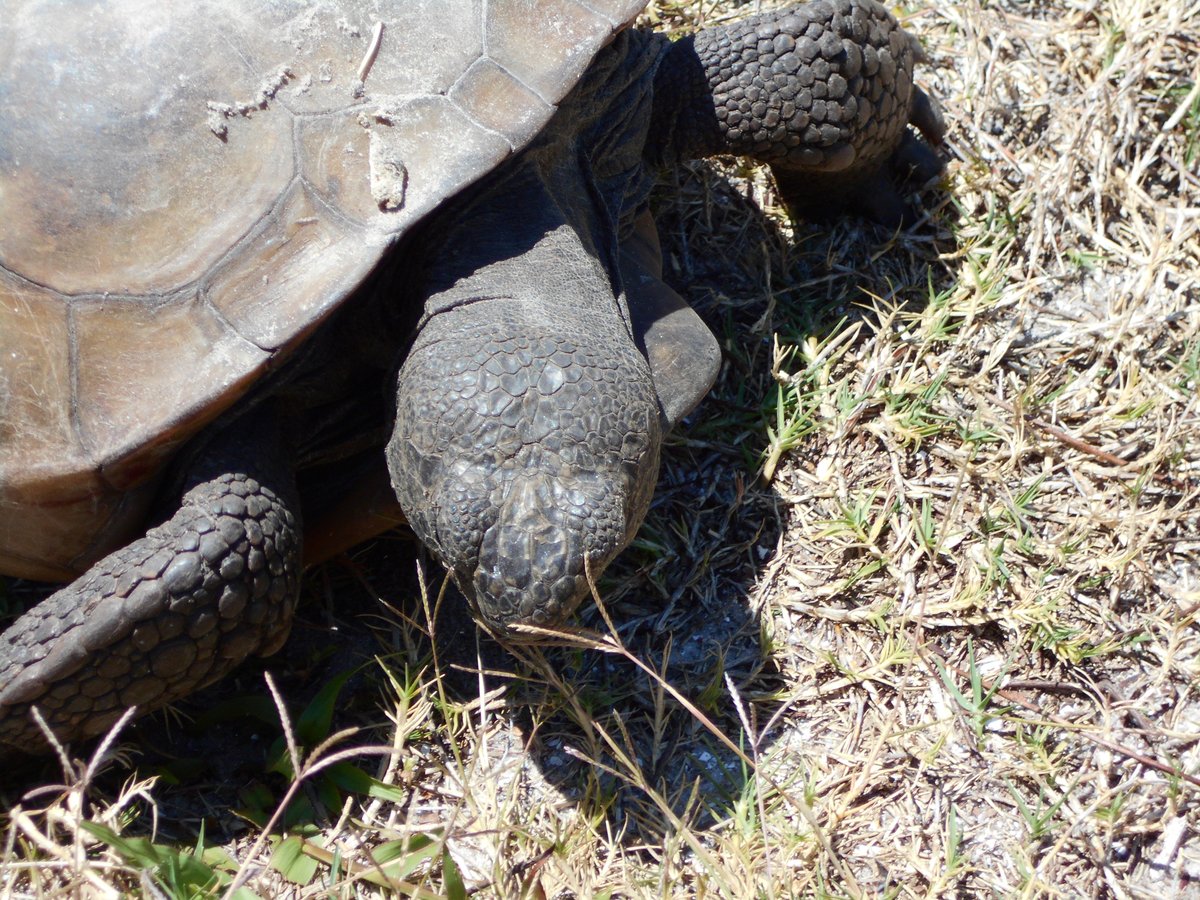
x=252, y=252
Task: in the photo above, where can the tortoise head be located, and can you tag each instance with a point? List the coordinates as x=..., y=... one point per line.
x=524, y=454
x=528, y=560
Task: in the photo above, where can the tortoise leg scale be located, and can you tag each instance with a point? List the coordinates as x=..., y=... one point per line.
x=170, y=612
x=822, y=92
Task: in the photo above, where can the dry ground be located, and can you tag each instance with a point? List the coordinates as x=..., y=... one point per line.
x=915, y=611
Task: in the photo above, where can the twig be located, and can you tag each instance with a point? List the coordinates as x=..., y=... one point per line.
x=368, y=60
x=1083, y=446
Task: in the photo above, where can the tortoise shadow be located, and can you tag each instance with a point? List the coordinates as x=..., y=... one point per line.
x=690, y=596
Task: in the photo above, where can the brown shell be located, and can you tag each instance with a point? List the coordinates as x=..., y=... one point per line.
x=187, y=190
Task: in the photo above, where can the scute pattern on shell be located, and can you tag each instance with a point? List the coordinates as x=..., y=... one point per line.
x=184, y=204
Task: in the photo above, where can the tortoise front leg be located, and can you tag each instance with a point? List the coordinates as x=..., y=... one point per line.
x=823, y=92
x=170, y=612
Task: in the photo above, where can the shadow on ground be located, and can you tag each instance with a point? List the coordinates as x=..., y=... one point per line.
x=686, y=597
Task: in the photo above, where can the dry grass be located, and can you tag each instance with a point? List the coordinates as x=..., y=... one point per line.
x=949, y=650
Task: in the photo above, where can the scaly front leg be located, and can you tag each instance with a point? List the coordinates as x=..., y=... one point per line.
x=822, y=92
x=170, y=612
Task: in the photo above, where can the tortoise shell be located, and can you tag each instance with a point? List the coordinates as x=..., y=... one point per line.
x=188, y=190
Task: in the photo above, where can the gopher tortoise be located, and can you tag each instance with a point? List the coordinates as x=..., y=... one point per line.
x=219, y=317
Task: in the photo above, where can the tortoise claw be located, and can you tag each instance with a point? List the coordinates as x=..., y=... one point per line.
x=875, y=195
x=926, y=115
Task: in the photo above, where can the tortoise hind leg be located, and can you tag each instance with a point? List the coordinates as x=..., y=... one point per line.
x=170, y=612
x=823, y=92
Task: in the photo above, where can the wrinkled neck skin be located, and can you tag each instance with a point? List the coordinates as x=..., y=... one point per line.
x=527, y=435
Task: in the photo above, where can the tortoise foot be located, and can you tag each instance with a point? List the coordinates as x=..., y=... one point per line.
x=163, y=616
x=822, y=92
